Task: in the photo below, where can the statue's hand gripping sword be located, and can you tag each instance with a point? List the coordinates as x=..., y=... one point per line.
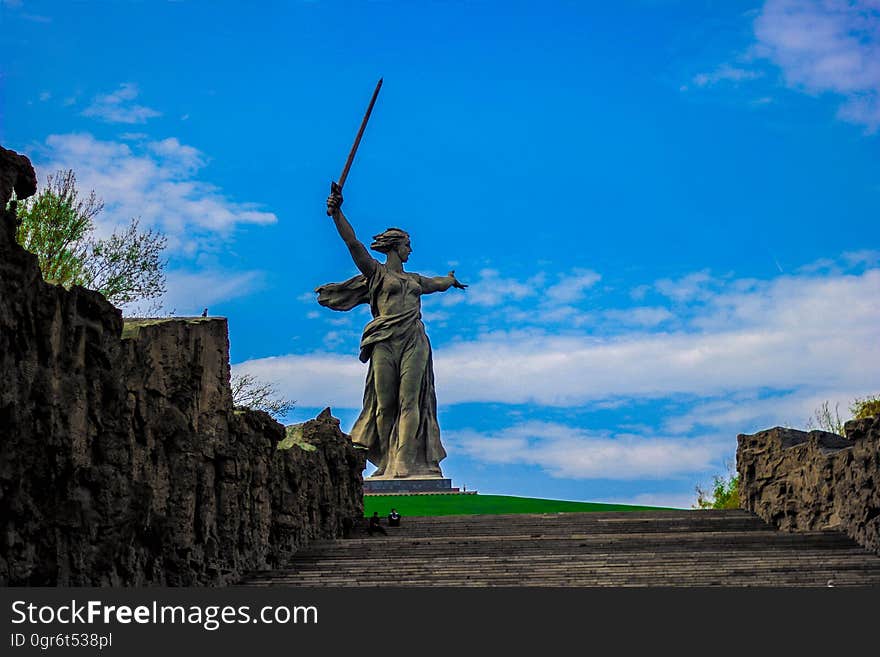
x=336, y=187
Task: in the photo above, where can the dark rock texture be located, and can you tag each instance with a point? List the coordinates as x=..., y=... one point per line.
x=16, y=174
x=122, y=459
x=807, y=481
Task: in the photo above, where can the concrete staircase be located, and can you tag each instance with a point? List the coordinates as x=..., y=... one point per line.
x=658, y=548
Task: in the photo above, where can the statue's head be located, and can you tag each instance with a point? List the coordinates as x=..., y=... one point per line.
x=393, y=239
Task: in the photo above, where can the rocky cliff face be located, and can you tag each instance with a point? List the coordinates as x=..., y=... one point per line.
x=122, y=460
x=807, y=481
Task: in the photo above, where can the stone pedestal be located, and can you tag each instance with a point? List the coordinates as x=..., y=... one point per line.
x=379, y=486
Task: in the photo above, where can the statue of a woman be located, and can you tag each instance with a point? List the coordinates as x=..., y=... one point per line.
x=398, y=424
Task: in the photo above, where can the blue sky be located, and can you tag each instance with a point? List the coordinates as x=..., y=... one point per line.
x=666, y=211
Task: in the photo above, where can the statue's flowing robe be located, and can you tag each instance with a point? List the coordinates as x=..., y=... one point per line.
x=402, y=331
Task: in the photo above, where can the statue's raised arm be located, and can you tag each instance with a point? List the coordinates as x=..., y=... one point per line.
x=362, y=258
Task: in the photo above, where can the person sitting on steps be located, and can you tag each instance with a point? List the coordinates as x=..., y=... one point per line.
x=375, y=525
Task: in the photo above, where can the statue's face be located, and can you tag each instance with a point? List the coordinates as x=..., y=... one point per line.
x=404, y=250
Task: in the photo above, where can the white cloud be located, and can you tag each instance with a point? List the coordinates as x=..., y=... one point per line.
x=187, y=158
x=194, y=290
x=45, y=95
x=117, y=106
x=827, y=46
x=639, y=292
x=548, y=314
x=317, y=380
x=639, y=316
x=725, y=73
x=154, y=181
x=566, y=452
x=490, y=289
x=672, y=500
x=864, y=257
x=808, y=333
x=435, y=316
x=572, y=286
x=687, y=288
x=749, y=413
x=191, y=291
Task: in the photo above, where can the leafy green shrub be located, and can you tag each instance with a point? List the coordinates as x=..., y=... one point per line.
x=867, y=407
x=723, y=495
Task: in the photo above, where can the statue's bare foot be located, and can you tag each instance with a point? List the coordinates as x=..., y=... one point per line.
x=401, y=473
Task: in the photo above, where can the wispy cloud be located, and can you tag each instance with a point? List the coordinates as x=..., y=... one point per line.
x=827, y=46
x=639, y=316
x=570, y=453
x=724, y=73
x=820, y=47
x=796, y=332
x=17, y=5
x=491, y=289
x=189, y=292
x=572, y=286
x=118, y=106
x=185, y=159
x=154, y=180
x=672, y=499
x=747, y=412
x=694, y=286
x=319, y=379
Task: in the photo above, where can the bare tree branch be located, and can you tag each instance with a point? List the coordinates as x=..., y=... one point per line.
x=250, y=392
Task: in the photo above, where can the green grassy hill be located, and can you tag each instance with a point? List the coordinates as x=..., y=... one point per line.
x=449, y=505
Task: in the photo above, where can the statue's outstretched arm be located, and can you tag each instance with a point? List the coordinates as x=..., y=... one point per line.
x=432, y=284
x=362, y=258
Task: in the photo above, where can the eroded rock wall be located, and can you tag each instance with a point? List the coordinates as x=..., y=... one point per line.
x=122, y=460
x=817, y=480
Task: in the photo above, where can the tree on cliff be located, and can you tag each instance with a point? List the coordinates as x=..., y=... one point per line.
x=863, y=407
x=827, y=420
x=57, y=225
x=724, y=493
x=250, y=392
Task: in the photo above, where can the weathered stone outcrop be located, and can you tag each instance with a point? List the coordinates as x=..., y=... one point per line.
x=817, y=480
x=16, y=175
x=122, y=459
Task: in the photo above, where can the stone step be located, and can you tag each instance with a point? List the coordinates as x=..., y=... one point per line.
x=465, y=525
x=666, y=543
x=675, y=548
